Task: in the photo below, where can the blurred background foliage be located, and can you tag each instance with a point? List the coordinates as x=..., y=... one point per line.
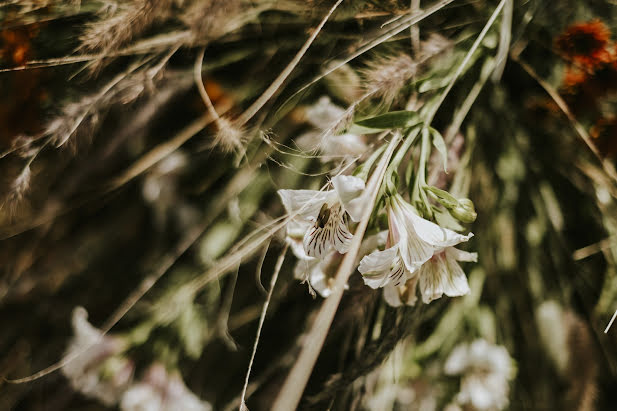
x=114, y=179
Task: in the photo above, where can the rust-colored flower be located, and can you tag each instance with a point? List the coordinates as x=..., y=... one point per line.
x=586, y=44
x=574, y=78
x=604, y=134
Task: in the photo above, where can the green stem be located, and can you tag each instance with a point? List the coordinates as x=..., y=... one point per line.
x=398, y=158
x=418, y=193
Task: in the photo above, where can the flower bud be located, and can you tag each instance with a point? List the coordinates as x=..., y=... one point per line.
x=464, y=211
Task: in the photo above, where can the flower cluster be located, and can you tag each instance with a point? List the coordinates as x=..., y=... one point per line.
x=417, y=251
x=98, y=369
x=486, y=370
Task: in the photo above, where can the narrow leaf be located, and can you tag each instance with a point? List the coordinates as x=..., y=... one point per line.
x=440, y=145
x=387, y=121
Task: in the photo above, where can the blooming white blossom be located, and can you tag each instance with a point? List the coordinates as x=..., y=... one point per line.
x=321, y=216
x=98, y=371
x=324, y=116
x=486, y=370
x=161, y=391
x=417, y=250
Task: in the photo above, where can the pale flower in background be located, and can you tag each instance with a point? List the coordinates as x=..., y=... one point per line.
x=324, y=116
x=321, y=216
x=161, y=391
x=486, y=370
x=98, y=371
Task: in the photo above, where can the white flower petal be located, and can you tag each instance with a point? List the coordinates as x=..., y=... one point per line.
x=460, y=255
x=309, y=141
x=456, y=283
x=457, y=360
x=324, y=113
x=320, y=282
x=297, y=247
x=343, y=145
x=432, y=275
x=391, y=295
x=342, y=236
x=329, y=230
x=350, y=192
x=432, y=233
x=413, y=249
x=378, y=261
x=305, y=202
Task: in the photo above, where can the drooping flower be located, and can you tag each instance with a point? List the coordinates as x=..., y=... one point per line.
x=442, y=275
x=321, y=216
x=486, y=370
x=318, y=274
x=161, y=391
x=98, y=371
x=324, y=116
x=417, y=250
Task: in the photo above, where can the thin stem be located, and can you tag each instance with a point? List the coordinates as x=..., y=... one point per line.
x=200, y=86
x=266, y=95
x=277, y=269
x=468, y=56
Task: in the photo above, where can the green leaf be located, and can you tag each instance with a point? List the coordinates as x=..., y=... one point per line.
x=440, y=145
x=387, y=121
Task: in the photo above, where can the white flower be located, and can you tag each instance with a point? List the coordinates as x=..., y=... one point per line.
x=442, y=274
x=321, y=216
x=97, y=372
x=319, y=274
x=161, y=391
x=419, y=250
x=324, y=116
x=486, y=369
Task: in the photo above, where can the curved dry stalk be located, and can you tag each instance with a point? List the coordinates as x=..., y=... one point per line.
x=266, y=95
x=277, y=269
x=200, y=86
x=289, y=396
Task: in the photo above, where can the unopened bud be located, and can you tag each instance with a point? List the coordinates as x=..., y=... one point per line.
x=464, y=211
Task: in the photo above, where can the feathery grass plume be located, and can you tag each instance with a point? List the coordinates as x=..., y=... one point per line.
x=16, y=190
x=228, y=137
x=118, y=23
x=77, y=119
x=211, y=19
x=386, y=75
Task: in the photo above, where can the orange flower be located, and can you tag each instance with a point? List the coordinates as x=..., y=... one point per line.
x=604, y=134
x=585, y=44
x=574, y=78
